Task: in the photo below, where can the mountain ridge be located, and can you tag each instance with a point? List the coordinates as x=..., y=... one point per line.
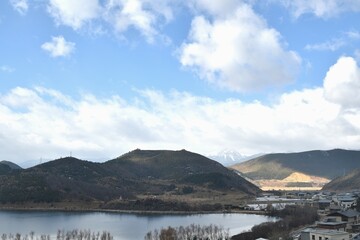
x=328, y=164
x=137, y=175
x=316, y=163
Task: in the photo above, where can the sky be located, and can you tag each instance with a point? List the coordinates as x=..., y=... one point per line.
x=99, y=78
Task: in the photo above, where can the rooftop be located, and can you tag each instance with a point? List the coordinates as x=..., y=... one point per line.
x=324, y=231
x=347, y=213
x=331, y=223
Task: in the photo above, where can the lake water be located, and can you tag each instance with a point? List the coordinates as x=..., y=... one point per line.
x=122, y=226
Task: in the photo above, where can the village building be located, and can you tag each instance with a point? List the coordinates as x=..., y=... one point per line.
x=332, y=223
x=323, y=234
x=351, y=217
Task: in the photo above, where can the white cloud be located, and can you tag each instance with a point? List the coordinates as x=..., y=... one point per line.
x=353, y=35
x=125, y=14
x=21, y=6
x=7, y=69
x=142, y=15
x=342, y=83
x=74, y=13
x=216, y=8
x=59, y=47
x=46, y=123
x=238, y=51
x=320, y=8
x=145, y=16
x=336, y=43
x=331, y=45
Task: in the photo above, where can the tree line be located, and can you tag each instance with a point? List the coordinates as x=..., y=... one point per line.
x=291, y=217
x=75, y=234
x=191, y=232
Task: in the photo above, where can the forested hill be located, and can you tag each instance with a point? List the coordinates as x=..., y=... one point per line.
x=136, y=174
x=181, y=167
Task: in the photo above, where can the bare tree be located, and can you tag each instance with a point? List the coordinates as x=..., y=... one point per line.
x=211, y=232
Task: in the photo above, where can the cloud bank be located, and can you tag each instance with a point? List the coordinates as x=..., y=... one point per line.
x=40, y=122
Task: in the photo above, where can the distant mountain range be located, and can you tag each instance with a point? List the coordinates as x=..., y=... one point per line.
x=134, y=175
x=142, y=174
x=311, y=168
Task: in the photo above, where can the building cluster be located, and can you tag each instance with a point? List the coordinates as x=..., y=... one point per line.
x=340, y=225
x=339, y=219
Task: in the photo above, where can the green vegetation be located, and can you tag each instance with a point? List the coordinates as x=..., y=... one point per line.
x=192, y=232
x=153, y=204
x=292, y=217
x=21, y=187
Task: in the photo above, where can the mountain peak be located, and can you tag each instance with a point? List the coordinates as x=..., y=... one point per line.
x=11, y=165
x=227, y=157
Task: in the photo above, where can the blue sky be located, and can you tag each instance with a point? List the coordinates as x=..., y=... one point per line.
x=100, y=78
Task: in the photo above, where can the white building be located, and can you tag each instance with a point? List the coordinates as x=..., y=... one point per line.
x=323, y=234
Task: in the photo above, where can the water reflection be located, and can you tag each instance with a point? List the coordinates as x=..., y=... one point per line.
x=122, y=226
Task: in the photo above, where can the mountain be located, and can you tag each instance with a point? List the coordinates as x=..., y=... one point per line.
x=350, y=181
x=137, y=175
x=7, y=167
x=227, y=157
x=179, y=166
x=320, y=165
x=11, y=165
x=4, y=169
x=230, y=157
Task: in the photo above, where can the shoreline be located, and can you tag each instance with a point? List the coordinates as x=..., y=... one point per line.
x=138, y=212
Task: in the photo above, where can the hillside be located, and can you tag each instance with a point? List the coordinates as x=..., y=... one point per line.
x=180, y=167
x=172, y=176
x=7, y=167
x=348, y=182
x=4, y=169
x=325, y=165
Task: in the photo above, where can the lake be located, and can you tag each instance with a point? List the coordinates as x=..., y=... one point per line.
x=122, y=226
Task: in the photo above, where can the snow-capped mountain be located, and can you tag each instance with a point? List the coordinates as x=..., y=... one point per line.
x=229, y=157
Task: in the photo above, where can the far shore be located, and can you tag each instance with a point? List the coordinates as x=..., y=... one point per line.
x=75, y=209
